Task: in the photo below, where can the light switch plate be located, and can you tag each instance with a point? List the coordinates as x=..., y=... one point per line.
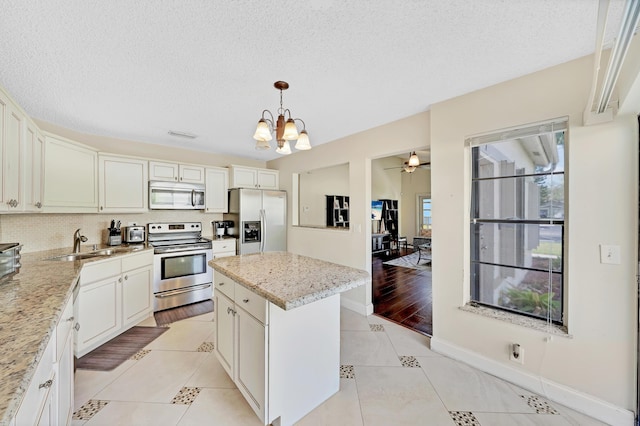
x=610, y=254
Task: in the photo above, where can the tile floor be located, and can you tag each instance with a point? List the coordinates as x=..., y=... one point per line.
x=388, y=377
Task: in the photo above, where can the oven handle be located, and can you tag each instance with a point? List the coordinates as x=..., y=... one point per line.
x=180, y=291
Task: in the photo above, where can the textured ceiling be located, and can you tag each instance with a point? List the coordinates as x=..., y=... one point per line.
x=137, y=69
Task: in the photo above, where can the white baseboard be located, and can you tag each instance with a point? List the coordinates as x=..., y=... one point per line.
x=365, y=310
x=569, y=397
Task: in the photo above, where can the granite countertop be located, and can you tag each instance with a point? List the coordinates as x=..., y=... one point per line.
x=31, y=303
x=289, y=280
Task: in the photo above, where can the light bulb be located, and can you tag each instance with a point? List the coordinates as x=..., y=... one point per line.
x=263, y=133
x=290, y=130
x=303, y=141
x=285, y=150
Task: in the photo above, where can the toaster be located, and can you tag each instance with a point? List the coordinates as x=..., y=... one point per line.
x=133, y=234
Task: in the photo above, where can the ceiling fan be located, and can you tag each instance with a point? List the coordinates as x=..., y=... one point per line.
x=411, y=165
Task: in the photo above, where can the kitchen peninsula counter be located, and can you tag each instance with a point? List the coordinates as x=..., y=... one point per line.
x=277, y=329
x=289, y=280
x=31, y=304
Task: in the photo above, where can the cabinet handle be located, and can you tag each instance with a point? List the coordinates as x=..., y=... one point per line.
x=175, y=178
x=120, y=279
x=245, y=300
x=220, y=284
x=70, y=319
x=101, y=208
x=39, y=205
x=77, y=327
x=46, y=384
x=231, y=311
x=126, y=277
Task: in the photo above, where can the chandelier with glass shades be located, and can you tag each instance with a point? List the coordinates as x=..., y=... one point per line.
x=284, y=128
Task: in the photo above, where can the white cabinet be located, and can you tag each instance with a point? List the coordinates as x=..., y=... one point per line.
x=250, y=177
x=122, y=184
x=33, y=167
x=114, y=295
x=223, y=248
x=285, y=363
x=49, y=397
x=216, y=190
x=12, y=125
x=70, y=176
x=241, y=340
x=174, y=172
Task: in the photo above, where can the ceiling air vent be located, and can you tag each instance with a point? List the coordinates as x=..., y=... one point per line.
x=182, y=134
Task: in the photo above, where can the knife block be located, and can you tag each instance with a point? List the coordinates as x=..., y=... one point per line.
x=114, y=239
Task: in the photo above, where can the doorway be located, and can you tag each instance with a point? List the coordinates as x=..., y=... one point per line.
x=401, y=273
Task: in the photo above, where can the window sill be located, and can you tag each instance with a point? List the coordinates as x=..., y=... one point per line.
x=520, y=320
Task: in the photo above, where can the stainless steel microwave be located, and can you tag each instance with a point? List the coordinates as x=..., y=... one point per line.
x=176, y=196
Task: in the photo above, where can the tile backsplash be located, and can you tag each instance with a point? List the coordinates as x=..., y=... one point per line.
x=38, y=232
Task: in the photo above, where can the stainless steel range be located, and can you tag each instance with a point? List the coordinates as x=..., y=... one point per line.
x=181, y=274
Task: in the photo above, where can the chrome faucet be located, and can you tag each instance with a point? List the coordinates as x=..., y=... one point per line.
x=77, y=239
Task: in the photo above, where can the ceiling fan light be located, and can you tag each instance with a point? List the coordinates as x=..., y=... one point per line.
x=285, y=149
x=290, y=130
x=263, y=133
x=263, y=145
x=410, y=169
x=414, y=161
x=303, y=141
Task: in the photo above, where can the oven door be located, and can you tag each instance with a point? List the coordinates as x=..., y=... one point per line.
x=181, y=269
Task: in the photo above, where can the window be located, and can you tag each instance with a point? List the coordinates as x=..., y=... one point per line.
x=518, y=219
x=424, y=215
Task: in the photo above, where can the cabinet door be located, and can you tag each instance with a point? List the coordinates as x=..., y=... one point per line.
x=64, y=390
x=244, y=178
x=33, y=166
x=251, y=360
x=70, y=177
x=14, y=144
x=99, y=315
x=224, y=332
x=191, y=174
x=123, y=184
x=137, y=296
x=163, y=171
x=217, y=194
x=268, y=179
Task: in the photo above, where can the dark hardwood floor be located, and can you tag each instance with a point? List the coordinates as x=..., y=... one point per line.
x=402, y=295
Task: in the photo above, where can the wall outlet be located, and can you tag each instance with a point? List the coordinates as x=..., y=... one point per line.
x=610, y=254
x=516, y=353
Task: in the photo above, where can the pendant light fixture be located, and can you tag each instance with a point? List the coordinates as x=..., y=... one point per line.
x=284, y=128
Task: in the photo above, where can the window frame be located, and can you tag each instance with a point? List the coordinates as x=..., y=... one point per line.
x=561, y=125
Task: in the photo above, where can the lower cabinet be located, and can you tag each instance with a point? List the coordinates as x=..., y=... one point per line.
x=49, y=398
x=114, y=295
x=285, y=363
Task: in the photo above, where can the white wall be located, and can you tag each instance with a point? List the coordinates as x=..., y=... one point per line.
x=314, y=186
x=598, y=358
x=350, y=247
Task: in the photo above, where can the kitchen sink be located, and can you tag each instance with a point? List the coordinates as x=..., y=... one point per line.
x=73, y=256
x=96, y=253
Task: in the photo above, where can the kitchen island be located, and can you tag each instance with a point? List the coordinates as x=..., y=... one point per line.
x=277, y=327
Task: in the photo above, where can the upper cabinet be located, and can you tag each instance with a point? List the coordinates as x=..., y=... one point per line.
x=32, y=172
x=12, y=125
x=216, y=187
x=70, y=177
x=174, y=172
x=122, y=184
x=250, y=177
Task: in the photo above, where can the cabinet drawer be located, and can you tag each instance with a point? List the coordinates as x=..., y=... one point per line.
x=63, y=328
x=223, y=284
x=252, y=303
x=100, y=270
x=137, y=260
x=223, y=246
x=223, y=254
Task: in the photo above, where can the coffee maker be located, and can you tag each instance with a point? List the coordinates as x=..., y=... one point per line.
x=222, y=228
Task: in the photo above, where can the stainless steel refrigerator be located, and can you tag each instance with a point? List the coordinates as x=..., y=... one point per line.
x=261, y=216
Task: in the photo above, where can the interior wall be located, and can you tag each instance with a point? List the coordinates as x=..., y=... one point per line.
x=597, y=357
x=413, y=184
x=314, y=186
x=350, y=247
